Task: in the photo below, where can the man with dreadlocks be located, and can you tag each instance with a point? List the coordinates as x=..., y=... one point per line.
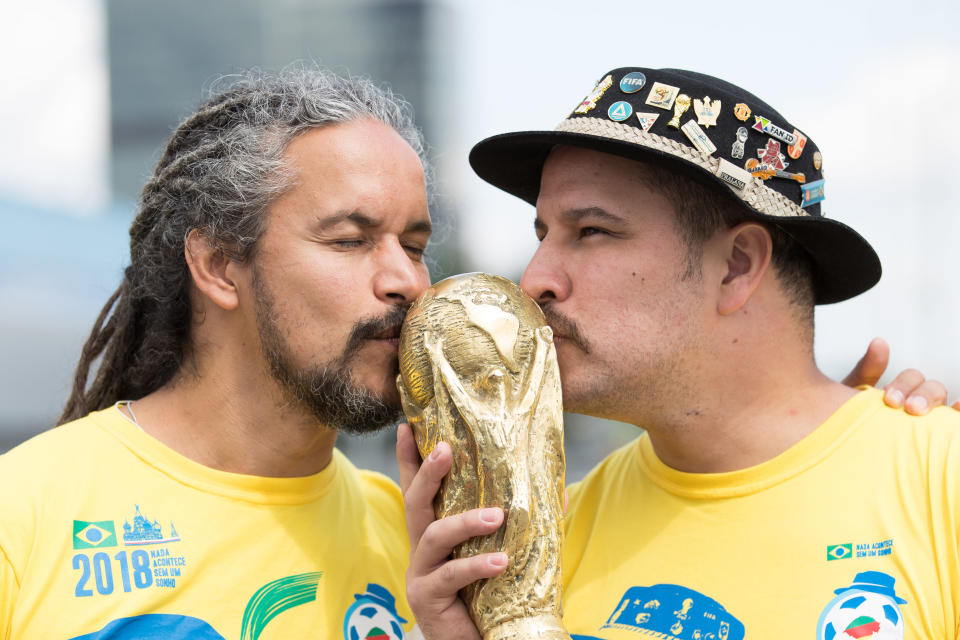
x=194, y=490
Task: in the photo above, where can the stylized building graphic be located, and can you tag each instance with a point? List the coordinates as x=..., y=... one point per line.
x=145, y=532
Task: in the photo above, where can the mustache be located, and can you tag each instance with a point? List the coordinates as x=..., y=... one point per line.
x=566, y=327
x=367, y=328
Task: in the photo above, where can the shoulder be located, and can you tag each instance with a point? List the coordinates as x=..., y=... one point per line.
x=52, y=451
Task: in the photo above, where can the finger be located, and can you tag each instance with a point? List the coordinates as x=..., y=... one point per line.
x=408, y=458
x=956, y=405
x=871, y=366
x=927, y=396
x=895, y=393
x=441, y=536
x=418, y=497
x=435, y=590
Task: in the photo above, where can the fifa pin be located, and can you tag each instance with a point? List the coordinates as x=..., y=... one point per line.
x=632, y=82
x=770, y=156
x=763, y=172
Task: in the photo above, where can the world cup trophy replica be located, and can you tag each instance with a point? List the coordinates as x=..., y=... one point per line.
x=478, y=370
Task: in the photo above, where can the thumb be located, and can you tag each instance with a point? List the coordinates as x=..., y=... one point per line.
x=871, y=366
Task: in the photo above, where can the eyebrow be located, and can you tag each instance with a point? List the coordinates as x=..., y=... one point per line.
x=364, y=221
x=576, y=215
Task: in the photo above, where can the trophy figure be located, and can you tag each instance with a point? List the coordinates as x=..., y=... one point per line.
x=478, y=369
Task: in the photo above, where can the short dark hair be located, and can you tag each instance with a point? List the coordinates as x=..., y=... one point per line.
x=703, y=209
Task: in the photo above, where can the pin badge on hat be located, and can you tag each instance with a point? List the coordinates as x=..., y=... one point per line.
x=770, y=156
x=632, y=82
x=812, y=193
x=696, y=136
x=591, y=100
x=737, y=151
x=764, y=172
x=679, y=108
x=706, y=111
x=742, y=111
x=620, y=111
x=734, y=175
x=647, y=120
x=763, y=124
x=817, y=160
x=795, y=149
x=662, y=95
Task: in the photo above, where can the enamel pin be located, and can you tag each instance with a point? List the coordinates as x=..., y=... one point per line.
x=620, y=111
x=738, y=144
x=812, y=193
x=647, y=120
x=706, y=111
x=763, y=124
x=591, y=100
x=817, y=160
x=795, y=149
x=734, y=175
x=742, y=111
x=679, y=108
x=662, y=95
x=770, y=156
x=696, y=136
x=632, y=82
x=763, y=172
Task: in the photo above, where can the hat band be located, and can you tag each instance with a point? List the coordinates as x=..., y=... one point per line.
x=755, y=194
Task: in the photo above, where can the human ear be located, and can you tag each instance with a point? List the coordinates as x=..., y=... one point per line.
x=209, y=267
x=747, y=251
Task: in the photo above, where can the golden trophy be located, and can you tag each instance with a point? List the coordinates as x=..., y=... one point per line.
x=478, y=369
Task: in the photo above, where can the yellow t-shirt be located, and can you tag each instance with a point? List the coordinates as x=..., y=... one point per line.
x=107, y=533
x=851, y=533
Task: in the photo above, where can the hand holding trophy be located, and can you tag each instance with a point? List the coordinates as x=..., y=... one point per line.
x=478, y=370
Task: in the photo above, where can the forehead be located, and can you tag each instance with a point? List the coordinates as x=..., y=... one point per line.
x=575, y=178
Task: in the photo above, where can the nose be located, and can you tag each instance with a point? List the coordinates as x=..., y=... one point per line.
x=399, y=278
x=545, y=279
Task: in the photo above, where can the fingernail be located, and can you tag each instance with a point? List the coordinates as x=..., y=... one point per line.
x=917, y=405
x=497, y=560
x=490, y=516
x=435, y=453
x=895, y=398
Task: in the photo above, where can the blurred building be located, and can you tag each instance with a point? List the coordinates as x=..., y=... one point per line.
x=161, y=58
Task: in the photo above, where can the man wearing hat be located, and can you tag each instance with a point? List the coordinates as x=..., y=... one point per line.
x=683, y=247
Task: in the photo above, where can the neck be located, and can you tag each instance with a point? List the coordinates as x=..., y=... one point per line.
x=233, y=419
x=754, y=393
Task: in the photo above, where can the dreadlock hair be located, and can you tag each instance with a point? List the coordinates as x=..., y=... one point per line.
x=221, y=169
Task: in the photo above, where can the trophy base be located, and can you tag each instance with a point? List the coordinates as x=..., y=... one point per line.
x=544, y=627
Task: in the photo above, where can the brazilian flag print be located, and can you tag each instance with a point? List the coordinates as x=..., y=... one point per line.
x=93, y=535
x=839, y=551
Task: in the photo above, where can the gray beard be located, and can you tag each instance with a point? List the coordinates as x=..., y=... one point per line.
x=329, y=392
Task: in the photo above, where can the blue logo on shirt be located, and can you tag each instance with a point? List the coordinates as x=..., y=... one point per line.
x=673, y=612
x=155, y=626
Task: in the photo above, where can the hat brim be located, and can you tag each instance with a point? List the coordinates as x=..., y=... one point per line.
x=872, y=589
x=844, y=264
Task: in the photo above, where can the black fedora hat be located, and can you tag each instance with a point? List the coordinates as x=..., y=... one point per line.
x=714, y=131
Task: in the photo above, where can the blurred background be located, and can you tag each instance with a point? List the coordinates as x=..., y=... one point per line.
x=92, y=89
